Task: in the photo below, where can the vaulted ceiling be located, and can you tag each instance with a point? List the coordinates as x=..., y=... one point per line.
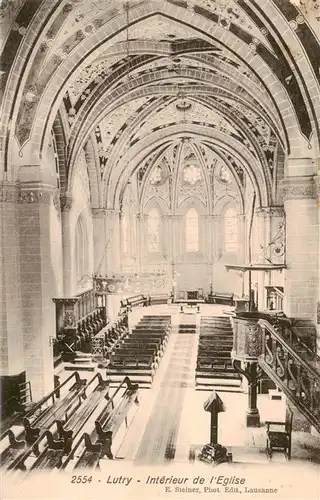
x=136, y=77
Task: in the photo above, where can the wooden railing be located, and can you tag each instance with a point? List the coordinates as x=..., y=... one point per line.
x=288, y=329
x=297, y=373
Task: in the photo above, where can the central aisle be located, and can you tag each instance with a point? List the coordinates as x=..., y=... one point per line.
x=176, y=374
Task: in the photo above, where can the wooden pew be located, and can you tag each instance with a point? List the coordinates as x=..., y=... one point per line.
x=159, y=298
x=14, y=419
x=151, y=331
x=98, y=443
x=58, y=410
x=221, y=298
x=139, y=361
x=109, y=424
x=137, y=300
x=52, y=456
x=143, y=335
x=39, y=417
x=157, y=316
x=141, y=343
x=146, y=325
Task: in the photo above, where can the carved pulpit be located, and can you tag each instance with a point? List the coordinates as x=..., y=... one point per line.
x=214, y=453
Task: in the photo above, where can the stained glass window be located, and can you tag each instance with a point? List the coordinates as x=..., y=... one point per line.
x=156, y=175
x=153, y=231
x=224, y=175
x=191, y=174
x=231, y=234
x=192, y=231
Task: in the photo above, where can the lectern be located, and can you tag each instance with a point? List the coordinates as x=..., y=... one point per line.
x=214, y=453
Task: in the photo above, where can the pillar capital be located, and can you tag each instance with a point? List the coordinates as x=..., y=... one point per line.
x=9, y=192
x=35, y=192
x=112, y=212
x=295, y=188
x=98, y=213
x=142, y=217
x=66, y=201
x=172, y=216
x=266, y=212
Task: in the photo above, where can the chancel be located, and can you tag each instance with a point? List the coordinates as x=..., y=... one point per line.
x=159, y=198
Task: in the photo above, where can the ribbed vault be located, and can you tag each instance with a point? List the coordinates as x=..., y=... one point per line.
x=128, y=80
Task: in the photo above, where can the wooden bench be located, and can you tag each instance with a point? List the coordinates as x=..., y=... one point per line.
x=148, y=325
x=14, y=419
x=58, y=410
x=159, y=298
x=138, y=360
x=142, y=334
x=211, y=340
x=161, y=316
x=134, y=351
x=137, y=300
x=221, y=298
x=155, y=343
x=152, y=329
x=204, y=363
x=35, y=435
x=109, y=424
x=52, y=456
x=37, y=418
x=98, y=443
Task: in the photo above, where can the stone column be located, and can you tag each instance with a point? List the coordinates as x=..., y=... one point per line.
x=66, y=201
x=112, y=223
x=302, y=246
x=37, y=284
x=242, y=241
x=252, y=414
x=142, y=237
x=11, y=335
x=99, y=240
x=318, y=305
x=176, y=249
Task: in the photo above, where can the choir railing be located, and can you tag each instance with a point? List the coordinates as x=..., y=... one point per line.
x=78, y=320
x=296, y=373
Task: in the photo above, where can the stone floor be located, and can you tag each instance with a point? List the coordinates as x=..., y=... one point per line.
x=171, y=421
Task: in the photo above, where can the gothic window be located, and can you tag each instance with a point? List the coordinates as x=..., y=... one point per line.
x=156, y=175
x=224, y=175
x=231, y=234
x=154, y=231
x=191, y=174
x=192, y=231
x=81, y=249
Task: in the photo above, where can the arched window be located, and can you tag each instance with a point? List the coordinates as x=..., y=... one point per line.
x=231, y=233
x=154, y=231
x=192, y=231
x=81, y=249
x=125, y=235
